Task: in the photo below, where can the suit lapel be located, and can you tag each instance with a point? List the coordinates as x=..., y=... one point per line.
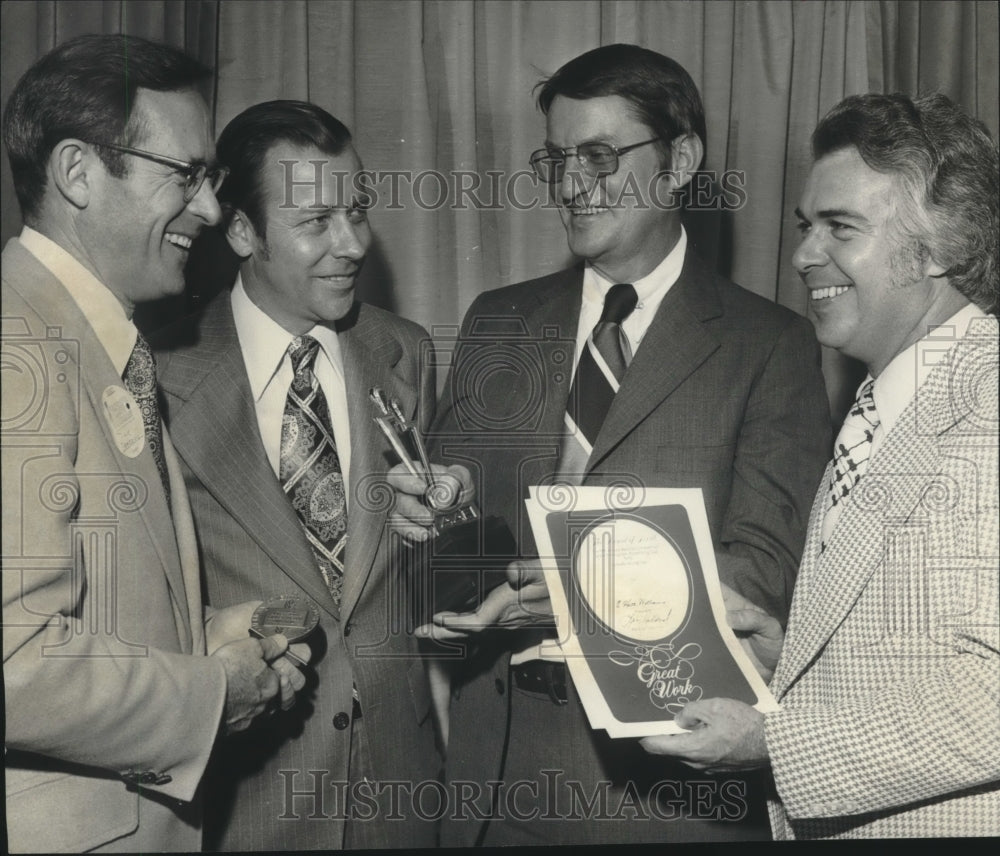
x=217, y=435
x=156, y=517
x=830, y=583
x=370, y=354
x=857, y=548
x=804, y=641
x=551, y=324
x=55, y=305
x=673, y=347
x=187, y=546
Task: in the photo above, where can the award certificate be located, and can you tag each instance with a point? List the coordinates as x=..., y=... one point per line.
x=638, y=605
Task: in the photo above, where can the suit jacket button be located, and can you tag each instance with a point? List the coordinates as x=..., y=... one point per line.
x=347, y=630
x=499, y=685
x=341, y=721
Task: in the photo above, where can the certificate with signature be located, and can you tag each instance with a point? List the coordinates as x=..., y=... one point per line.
x=635, y=591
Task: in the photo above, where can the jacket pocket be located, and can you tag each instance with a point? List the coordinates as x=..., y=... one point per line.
x=56, y=812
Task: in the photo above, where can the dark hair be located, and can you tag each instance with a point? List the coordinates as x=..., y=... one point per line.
x=85, y=89
x=244, y=143
x=948, y=169
x=661, y=92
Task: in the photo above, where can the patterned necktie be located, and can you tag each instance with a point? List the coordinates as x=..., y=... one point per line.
x=602, y=366
x=850, y=456
x=140, y=380
x=309, y=468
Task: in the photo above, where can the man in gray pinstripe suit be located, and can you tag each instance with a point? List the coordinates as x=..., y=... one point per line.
x=334, y=773
x=889, y=676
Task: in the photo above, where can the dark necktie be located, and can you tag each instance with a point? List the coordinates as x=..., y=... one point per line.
x=850, y=455
x=602, y=365
x=309, y=469
x=140, y=380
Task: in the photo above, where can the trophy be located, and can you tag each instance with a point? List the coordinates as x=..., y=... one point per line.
x=468, y=554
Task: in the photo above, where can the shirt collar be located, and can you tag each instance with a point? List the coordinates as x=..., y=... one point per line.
x=264, y=342
x=102, y=310
x=896, y=386
x=651, y=288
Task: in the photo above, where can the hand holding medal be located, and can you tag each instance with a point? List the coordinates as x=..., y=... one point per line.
x=292, y=616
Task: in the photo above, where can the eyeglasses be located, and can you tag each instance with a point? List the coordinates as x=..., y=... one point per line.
x=194, y=173
x=595, y=159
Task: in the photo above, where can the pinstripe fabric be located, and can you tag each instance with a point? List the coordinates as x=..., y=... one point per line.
x=281, y=786
x=890, y=679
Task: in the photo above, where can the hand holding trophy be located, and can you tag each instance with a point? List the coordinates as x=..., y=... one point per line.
x=465, y=554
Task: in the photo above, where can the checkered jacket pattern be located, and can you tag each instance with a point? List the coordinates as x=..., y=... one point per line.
x=889, y=682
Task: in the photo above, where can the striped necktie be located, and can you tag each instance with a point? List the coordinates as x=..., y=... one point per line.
x=602, y=365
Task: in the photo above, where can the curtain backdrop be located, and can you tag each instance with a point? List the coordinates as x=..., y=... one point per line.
x=441, y=91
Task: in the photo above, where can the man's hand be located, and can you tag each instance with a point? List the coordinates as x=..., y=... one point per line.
x=760, y=635
x=250, y=682
x=416, y=504
x=232, y=623
x=724, y=735
x=228, y=624
x=522, y=601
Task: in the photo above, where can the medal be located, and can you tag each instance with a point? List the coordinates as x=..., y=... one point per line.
x=293, y=616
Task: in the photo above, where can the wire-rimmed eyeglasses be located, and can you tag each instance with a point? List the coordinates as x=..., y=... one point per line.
x=595, y=159
x=194, y=174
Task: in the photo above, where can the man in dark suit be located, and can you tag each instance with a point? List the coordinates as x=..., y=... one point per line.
x=111, y=704
x=721, y=390
x=267, y=396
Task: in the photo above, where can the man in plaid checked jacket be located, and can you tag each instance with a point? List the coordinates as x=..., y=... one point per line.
x=889, y=675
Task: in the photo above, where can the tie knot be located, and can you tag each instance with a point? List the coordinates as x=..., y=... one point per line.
x=302, y=352
x=619, y=303
x=140, y=371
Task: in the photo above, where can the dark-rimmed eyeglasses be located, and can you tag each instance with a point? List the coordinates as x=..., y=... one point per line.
x=595, y=159
x=194, y=174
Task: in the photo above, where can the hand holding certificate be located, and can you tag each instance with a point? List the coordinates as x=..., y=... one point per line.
x=641, y=614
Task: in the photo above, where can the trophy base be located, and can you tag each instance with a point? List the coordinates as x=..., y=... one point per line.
x=469, y=558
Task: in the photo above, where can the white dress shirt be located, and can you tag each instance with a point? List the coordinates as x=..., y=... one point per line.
x=103, y=311
x=650, y=290
x=264, y=344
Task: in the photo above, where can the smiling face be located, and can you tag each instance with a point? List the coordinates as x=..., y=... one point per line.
x=620, y=223
x=870, y=288
x=140, y=227
x=302, y=271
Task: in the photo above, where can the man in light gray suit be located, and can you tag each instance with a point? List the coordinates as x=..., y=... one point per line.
x=111, y=704
x=889, y=679
x=267, y=397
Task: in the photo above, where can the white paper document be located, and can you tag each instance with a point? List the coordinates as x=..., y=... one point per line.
x=639, y=610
